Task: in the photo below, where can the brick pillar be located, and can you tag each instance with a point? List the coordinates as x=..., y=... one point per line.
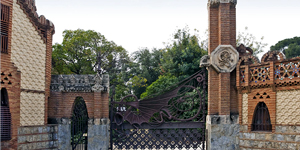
x=222, y=96
x=97, y=105
x=48, y=66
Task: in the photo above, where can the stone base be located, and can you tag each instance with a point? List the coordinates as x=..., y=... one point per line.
x=37, y=137
x=223, y=132
x=64, y=133
x=98, y=134
x=284, y=137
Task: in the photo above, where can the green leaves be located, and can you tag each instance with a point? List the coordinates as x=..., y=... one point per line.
x=182, y=57
x=290, y=47
x=78, y=52
x=161, y=84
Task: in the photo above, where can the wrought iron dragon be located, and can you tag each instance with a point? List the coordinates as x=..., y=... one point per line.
x=182, y=102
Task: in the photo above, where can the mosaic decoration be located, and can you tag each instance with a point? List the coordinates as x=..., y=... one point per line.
x=259, y=74
x=287, y=70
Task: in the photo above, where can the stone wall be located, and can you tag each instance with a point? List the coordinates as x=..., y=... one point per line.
x=223, y=132
x=38, y=137
x=64, y=133
x=284, y=137
x=98, y=134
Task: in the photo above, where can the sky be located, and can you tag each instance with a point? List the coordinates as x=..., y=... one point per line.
x=135, y=24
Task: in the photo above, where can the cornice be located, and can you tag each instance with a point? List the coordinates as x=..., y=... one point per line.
x=40, y=22
x=215, y=3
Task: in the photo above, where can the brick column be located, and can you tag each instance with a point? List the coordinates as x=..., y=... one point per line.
x=97, y=105
x=224, y=93
x=222, y=96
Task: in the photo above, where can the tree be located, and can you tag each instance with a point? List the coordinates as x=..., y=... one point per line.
x=290, y=47
x=177, y=61
x=160, y=85
x=145, y=69
x=78, y=52
x=249, y=40
x=182, y=57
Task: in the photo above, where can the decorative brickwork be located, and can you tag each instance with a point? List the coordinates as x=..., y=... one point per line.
x=287, y=70
x=32, y=108
x=25, y=65
x=274, y=81
x=288, y=107
x=28, y=51
x=245, y=109
x=65, y=89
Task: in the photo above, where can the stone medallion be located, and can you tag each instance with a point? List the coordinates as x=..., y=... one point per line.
x=224, y=58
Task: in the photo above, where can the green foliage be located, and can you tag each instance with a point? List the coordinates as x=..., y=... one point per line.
x=182, y=57
x=249, y=40
x=161, y=84
x=290, y=47
x=78, y=52
x=145, y=69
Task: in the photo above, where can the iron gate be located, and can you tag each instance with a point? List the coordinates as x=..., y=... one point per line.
x=79, y=125
x=173, y=119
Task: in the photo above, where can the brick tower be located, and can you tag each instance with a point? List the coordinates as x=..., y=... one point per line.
x=222, y=118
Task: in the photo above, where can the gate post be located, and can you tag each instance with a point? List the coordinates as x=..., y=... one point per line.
x=64, y=133
x=222, y=119
x=98, y=133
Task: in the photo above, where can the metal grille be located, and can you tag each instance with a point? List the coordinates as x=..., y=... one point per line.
x=175, y=135
x=5, y=116
x=261, y=121
x=79, y=125
x=5, y=11
x=172, y=119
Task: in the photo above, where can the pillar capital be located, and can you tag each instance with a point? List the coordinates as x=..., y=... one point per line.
x=215, y=3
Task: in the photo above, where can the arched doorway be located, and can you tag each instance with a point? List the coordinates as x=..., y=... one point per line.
x=5, y=116
x=79, y=124
x=261, y=118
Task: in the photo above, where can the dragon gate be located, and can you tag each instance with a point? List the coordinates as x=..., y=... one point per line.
x=174, y=119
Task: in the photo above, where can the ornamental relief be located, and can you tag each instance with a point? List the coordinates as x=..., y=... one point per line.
x=224, y=58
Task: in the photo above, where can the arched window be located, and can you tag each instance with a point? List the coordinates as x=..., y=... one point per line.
x=261, y=118
x=5, y=116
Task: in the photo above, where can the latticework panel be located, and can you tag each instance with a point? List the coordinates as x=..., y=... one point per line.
x=259, y=74
x=242, y=75
x=142, y=139
x=287, y=70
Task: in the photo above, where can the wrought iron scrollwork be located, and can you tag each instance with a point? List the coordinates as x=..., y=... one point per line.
x=186, y=97
x=180, y=109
